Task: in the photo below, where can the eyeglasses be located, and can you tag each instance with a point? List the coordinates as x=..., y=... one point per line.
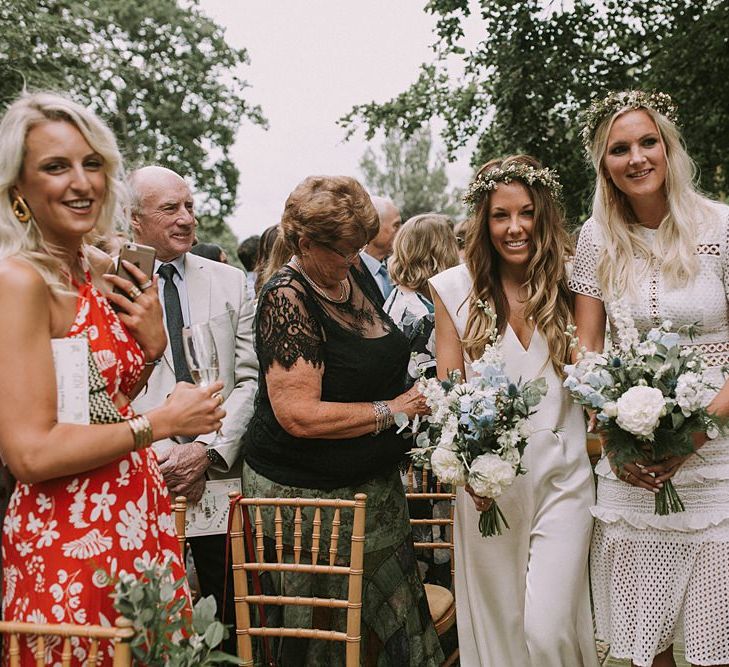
x=349, y=258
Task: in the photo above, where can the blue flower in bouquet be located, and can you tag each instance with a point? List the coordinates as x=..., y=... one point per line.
x=477, y=430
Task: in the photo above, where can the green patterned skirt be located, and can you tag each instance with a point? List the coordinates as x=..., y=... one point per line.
x=396, y=626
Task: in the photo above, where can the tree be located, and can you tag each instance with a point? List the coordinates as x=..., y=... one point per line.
x=536, y=67
x=160, y=73
x=405, y=173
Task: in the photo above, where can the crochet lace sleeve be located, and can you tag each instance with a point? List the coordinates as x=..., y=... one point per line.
x=286, y=330
x=584, y=272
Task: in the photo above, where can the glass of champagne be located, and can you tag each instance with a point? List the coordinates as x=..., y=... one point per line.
x=201, y=354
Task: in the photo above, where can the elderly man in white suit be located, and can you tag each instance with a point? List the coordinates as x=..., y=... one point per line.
x=194, y=290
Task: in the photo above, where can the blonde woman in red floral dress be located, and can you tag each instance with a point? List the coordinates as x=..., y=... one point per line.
x=89, y=502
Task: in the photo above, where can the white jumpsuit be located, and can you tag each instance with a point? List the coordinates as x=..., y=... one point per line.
x=522, y=598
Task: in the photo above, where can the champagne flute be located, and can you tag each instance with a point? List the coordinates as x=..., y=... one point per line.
x=202, y=356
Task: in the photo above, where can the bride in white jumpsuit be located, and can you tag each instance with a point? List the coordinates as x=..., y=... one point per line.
x=522, y=598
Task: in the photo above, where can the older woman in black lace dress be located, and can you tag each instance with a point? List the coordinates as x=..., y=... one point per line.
x=332, y=375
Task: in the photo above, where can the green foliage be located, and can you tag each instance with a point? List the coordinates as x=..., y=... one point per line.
x=165, y=633
x=538, y=64
x=405, y=173
x=161, y=73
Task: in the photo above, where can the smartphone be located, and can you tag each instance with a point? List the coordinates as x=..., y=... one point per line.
x=142, y=256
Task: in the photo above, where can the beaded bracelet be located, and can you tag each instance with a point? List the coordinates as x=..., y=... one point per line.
x=383, y=417
x=142, y=432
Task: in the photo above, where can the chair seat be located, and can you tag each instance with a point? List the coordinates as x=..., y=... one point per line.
x=442, y=607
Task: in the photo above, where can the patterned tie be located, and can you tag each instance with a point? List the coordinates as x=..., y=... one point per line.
x=173, y=313
x=386, y=284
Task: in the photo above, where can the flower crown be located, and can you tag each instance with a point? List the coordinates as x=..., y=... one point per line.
x=514, y=171
x=629, y=99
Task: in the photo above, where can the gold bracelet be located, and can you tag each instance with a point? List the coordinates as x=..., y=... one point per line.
x=142, y=432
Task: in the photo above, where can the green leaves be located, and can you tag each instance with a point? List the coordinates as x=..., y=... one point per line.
x=535, y=66
x=161, y=73
x=166, y=636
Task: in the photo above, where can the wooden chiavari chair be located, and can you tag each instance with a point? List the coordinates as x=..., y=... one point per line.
x=179, y=508
x=441, y=601
x=242, y=566
x=121, y=636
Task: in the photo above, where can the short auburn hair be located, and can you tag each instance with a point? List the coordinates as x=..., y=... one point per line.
x=328, y=209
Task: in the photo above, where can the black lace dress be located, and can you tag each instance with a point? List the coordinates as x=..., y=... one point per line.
x=364, y=357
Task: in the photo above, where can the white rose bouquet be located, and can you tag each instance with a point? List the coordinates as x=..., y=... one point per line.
x=477, y=430
x=649, y=396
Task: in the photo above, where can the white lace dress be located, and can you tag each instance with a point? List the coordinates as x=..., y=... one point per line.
x=661, y=578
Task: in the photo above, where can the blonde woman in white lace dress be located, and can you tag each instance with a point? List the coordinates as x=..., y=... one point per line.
x=657, y=243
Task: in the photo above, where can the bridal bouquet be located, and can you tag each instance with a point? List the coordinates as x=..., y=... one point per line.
x=477, y=430
x=649, y=396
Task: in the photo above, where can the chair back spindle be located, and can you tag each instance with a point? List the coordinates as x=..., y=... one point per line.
x=244, y=563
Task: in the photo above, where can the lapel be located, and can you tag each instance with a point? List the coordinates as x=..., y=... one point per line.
x=197, y=282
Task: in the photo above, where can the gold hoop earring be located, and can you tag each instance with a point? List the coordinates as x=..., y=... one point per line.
x=21, y=209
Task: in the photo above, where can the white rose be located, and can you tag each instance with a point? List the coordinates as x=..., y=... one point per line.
x=639, y=410
x=490, y=475
x=511, y=456
x=447, y=467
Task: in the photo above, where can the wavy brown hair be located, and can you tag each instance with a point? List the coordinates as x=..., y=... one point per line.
x=548, y=298
x=424, y=245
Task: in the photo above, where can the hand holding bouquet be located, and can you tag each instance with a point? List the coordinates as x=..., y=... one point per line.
x=649, y=396
x=477, y=430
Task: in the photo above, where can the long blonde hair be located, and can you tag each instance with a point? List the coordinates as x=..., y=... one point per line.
x=675, y=241
x=25, y=240
x=548, y=298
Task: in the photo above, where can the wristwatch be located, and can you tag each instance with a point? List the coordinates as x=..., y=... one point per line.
x=215, y=458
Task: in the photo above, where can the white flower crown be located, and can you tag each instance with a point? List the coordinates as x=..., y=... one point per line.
x=628, y=99
x=514, y=171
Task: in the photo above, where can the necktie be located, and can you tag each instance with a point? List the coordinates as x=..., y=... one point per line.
x=173, y=314
x=386, y=284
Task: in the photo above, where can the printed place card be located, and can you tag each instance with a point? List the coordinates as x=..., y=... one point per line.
x=210, y=515
x=70, y=357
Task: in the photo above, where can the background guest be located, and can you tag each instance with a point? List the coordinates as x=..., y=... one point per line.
x=424, y=247
x=379, y=247
x=89, y=495
x=196, y=290
x=272, y=255
x=211, y=251
x=332, y=376
x=248, y=255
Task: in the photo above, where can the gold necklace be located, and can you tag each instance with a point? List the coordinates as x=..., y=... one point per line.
x=343, y=284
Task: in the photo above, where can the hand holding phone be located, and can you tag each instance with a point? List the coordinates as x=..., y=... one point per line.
x=142, y=256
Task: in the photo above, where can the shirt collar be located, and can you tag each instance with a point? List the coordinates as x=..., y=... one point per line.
x=177, y=262
x=371, y=263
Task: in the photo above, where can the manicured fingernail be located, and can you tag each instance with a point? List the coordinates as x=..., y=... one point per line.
x=655, y=490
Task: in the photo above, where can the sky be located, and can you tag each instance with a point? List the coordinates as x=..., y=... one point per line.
x=311, y=62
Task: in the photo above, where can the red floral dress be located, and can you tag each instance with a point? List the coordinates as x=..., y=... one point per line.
x=63, y=538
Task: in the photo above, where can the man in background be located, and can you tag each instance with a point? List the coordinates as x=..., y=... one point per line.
x=380, y=247
x=194, y=289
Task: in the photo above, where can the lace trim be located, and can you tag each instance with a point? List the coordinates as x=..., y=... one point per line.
x=685, y=522
x=714, y=354
x=709, y=249
x=653, y=303
x=285, y=330
x=584, y=288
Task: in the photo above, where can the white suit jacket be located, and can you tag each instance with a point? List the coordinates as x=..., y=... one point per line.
x=217, y=294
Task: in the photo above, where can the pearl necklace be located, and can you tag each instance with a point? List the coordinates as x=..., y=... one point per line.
x=343, y=284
